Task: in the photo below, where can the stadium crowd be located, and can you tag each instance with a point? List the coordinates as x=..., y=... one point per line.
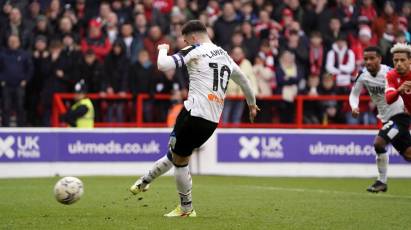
x=286, y=47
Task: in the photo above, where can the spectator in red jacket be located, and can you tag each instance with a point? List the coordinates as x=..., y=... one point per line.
x=96, y=41
x=387, y=17
x=154, y=38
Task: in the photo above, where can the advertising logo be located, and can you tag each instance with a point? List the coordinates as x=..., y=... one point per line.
x=261, y=147
x=5, y=147
x=21, y=147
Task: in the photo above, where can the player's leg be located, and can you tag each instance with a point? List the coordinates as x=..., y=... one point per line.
x=160, y=167
x=193, y=135
x=382, y=160
x=165, y=163
x=386, y=135
x=184, y=182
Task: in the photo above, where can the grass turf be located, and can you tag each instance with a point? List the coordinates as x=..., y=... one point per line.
x=220, y=202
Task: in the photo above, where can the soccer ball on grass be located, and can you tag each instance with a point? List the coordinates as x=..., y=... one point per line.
x=68, y=190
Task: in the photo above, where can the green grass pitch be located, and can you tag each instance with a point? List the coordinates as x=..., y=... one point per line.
x=220, y=202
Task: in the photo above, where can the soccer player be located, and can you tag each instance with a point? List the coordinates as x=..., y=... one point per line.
x=209, y=68
x=399, y=85
x=372, y=77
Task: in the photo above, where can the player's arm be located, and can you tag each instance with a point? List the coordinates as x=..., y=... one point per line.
x=164, y=62
x=240, y=79
x=174, y=61
x=354, y=98
x=391, y=91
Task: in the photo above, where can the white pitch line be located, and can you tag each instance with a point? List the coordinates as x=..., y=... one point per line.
x=323, y=191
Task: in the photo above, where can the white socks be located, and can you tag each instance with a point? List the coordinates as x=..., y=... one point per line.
x=382, y=165
x=184, y=185
x=159, y=168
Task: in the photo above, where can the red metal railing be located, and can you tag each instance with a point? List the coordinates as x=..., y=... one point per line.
x=59, y=108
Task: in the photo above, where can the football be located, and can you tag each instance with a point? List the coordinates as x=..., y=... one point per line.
x=68, y=190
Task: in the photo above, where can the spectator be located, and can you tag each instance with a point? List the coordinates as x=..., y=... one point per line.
x=33, y=13
x=123, y=13
x=403, y=27
x=16, y=69
x=312, y=109
x=348, y=13
x=388, y=16
x=265, y=24
x=53, y=13
x=341, y=63
x=96, y=41
x=154, y=16
x=364, y=40
x=164, y=6
x=298, y=47
x=213, y=11
x=333, y=32
x=225, y=26
x=16, y=26
x=104, y=13
x=247, y=14
x=72, y=56
x=58, y=79
x=165, y=83
x=367, y=10
x=316, y=55
x=35, y=84
x=316, y=17
x=112, y=27
x=140, y=81
x=132, y=44
x=140, y=25
x=41, y=28
x=66, y=28
x=288, y=75
x=181, y=5
x=91, y=71
x=250, y=42
x=386, y=42
x=233, y=109
x=330, y=108
x=155, y=37
x=406, y=12
x=115, y=74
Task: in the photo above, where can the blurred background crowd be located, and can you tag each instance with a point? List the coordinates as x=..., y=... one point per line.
x=286, y=47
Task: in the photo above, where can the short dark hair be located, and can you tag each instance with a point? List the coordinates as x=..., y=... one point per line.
x=375, y=49
x=193, y=26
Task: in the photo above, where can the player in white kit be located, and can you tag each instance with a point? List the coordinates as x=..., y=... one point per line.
x=209, y=68
x=372, y=77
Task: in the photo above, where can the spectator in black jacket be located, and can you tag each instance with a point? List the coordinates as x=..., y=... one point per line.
x=140, y=81
x=225, y=25
x=16, y=26
x=16, y=69
x=35, y=85
x=91, y=70
x=132, y=44
x=115, y=79
x=59, y=78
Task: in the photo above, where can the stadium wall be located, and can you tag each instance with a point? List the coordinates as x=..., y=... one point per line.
x=250, y=152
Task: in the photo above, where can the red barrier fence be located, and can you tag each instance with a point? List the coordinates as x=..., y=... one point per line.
x=60, y=107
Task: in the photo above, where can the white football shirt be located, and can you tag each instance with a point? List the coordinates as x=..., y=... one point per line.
x=376, y=89
x=209, y=68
